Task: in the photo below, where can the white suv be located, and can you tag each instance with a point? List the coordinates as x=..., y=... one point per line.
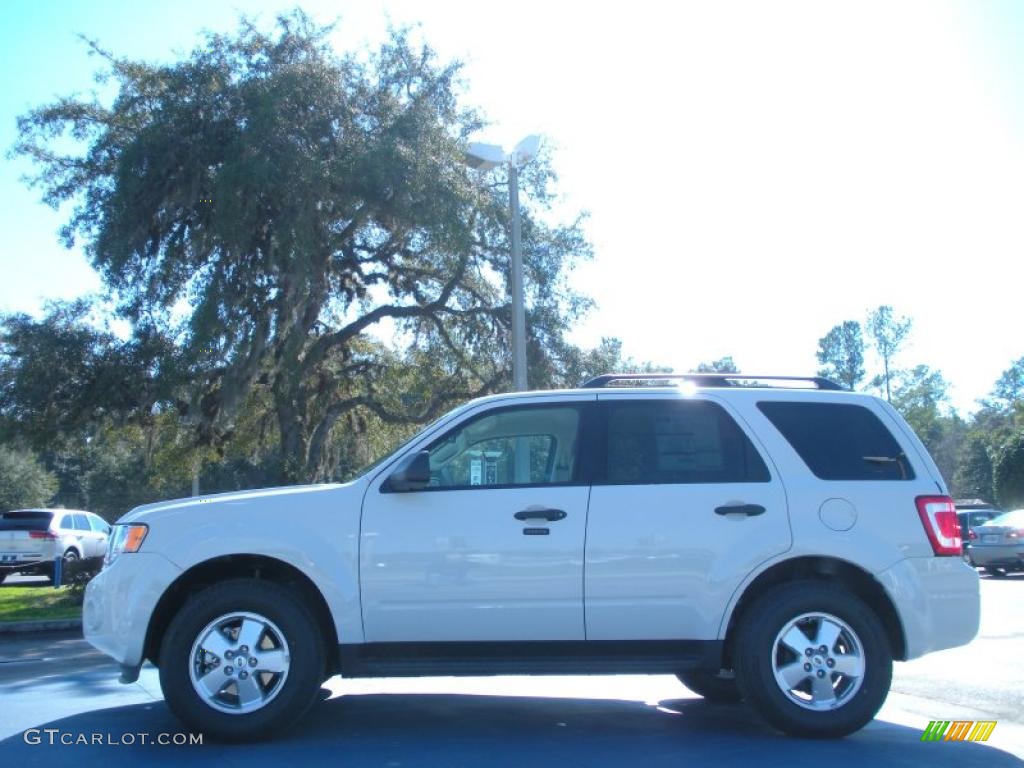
x=31, y=539
x=777, y=543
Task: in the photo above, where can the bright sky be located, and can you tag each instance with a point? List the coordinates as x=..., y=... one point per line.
x=755, y=172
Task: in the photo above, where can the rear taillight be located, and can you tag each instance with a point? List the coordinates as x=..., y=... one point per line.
x=938, y=516
x=42, y=535
x=971, y=534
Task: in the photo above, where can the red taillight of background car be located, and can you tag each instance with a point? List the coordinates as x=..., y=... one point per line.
x=42, y=535
x=971, y=534
x=938, y=516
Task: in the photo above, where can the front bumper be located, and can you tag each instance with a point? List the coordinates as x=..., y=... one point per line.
x=937, y=599
x=120, y=600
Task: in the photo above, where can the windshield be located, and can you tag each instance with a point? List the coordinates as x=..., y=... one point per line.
x=1014, y=517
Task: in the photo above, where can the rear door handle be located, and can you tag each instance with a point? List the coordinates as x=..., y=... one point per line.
x=551, y=515
x=750, y=510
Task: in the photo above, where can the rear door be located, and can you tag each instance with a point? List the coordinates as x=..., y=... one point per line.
x=683, y=507
x=69, y=537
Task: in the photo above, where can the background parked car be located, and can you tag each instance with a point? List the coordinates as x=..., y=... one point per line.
x=30, y=539
x=969, y=520
x=999, y=547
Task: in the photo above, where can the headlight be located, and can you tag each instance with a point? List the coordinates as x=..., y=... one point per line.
x=125, y=538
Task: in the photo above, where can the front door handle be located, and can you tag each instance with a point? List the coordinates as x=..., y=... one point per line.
x=750, y=510
x=540, y=513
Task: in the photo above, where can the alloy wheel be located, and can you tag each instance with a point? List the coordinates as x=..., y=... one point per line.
x=818, y=661
x=239, y=662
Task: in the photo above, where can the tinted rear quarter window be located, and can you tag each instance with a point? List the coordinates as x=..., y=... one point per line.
x=839, y=441
x=678, y=441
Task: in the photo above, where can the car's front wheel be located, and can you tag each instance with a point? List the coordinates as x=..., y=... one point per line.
x=813, y=659
x=241, y=659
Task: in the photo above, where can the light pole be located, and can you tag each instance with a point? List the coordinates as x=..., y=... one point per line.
x=485, y=157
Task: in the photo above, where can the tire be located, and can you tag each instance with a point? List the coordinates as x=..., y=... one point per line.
x=995, y=571
x=710, y=685
x=800, y=611
x=70, y=555
x=284, y=626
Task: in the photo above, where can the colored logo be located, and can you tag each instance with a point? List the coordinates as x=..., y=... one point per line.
x=958, y=730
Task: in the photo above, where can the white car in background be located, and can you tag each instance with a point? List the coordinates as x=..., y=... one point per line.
x=30, y=539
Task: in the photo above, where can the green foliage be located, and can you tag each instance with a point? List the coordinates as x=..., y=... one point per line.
x=24, y=482
x=887, y=332
x=721, y=365
x=921, y=395
x=296, y=198
x=841, y=354
x=1008, y=472
x=60, y=375
x=1009, y=389
x=974, y=478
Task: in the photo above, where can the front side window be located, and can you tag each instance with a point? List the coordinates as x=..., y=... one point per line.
x=678, y=441
x=99, y=525
x=529, y=445
x=839, y=441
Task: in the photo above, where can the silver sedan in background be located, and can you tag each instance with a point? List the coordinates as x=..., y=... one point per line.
x=999, y=546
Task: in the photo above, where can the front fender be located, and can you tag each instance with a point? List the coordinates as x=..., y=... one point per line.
x=315, y=534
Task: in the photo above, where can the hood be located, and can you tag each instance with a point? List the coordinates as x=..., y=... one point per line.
x=217, y=502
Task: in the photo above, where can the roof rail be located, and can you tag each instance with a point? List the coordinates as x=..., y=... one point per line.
x=704, y=380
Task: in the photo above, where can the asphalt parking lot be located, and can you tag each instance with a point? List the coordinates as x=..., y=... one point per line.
x=56, y=681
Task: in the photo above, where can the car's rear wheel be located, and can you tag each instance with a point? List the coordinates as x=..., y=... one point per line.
x=241, y=659
x=995, y=570
x=713, y=686
x=813, y=659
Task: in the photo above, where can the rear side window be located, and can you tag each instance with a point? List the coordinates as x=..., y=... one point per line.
x=839, y=441
x=67, y=523
x=678, y=441
x=25, y=521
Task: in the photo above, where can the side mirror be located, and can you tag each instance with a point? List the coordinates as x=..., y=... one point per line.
x=413, y=473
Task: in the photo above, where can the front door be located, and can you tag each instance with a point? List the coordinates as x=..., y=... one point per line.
x=493, y=548
x=683, y=508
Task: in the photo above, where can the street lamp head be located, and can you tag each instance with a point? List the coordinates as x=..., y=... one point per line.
x=526, y=150
x=484, y=157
